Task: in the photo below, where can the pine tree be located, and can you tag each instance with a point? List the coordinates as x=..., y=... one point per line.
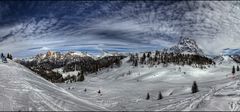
x=148, y=96
x=85, y=90
x=2, y=55
x=143, y=58
x=8, y=55
x=155, y=58
x=136, y=62
x=74, y=78
x=194, y=87
x=148, y=55
x=160, y=95
x=238, y=68
x=233, y=70
x=80, y=76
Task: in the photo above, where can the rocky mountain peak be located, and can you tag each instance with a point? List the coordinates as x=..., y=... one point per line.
x=185, y=46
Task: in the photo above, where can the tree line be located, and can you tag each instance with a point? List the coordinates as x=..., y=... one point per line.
x=91, y=65
x=84, y=64
x=149, y=58
x=9, y=56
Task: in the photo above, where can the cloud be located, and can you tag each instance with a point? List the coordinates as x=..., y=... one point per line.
x=32, y=27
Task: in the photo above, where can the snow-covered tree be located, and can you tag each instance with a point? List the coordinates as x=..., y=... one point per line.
x=80, y=76
x=238, y=68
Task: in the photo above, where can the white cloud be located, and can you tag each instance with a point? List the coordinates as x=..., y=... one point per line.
x=130, y=28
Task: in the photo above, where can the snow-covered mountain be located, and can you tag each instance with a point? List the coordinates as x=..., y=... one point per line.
x=228, y=56
x=59, y=56
x=185, y=46
x=23, y=90
x=73, y=61
x=45, y=64
x=106, y=54
x=224, y=59
x=50, y=55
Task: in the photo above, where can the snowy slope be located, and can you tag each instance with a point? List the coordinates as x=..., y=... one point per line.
x=170, y=73
x=224, y=59
x=124, y=90
x=21, y=89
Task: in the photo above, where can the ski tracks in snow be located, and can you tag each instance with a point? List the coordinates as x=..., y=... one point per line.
x=197, y=99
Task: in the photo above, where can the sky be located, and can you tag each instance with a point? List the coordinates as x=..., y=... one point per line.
x=31, y=27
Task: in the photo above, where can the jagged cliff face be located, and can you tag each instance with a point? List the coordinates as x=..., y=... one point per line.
x=185, y=46
x=117, y=25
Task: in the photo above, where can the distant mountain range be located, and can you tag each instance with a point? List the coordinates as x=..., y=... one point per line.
x=45, y=64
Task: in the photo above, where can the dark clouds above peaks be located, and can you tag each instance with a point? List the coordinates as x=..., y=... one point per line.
x=30, y=27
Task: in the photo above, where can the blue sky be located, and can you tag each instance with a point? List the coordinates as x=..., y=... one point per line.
x=31, y=27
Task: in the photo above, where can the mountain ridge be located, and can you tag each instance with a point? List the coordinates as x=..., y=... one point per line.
x=185, y=46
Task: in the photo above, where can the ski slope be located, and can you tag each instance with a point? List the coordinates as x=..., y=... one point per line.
x=121, y=90
x=171, y=73
x=22, y=90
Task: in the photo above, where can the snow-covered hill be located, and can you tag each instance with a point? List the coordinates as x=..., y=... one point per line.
x=224, y=59
x=165, y=72
x=22, y=90
x=126, y=87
